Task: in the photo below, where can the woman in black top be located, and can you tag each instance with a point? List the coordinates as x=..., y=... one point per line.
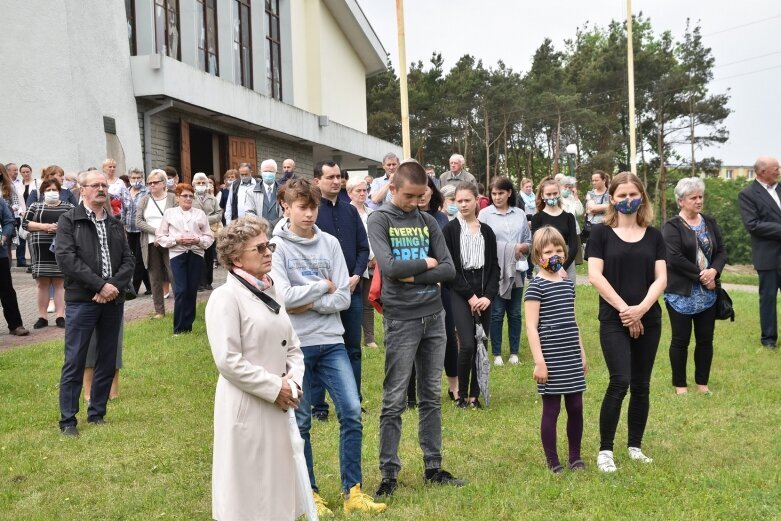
x=695, y=258
x=550, y=213
x=472, y=245
x=626, y=265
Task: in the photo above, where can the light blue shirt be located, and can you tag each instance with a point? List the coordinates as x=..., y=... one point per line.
x=377, y=184
x=511, y=227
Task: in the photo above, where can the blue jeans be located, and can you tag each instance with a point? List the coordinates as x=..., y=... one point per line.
x=186, y=268
x=81, y=320
x=352, y=318
x=420, y=342
x=512, y=307
x=330, y=364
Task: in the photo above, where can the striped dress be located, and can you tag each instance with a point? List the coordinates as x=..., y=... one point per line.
x=44, y=262
x=558, y=336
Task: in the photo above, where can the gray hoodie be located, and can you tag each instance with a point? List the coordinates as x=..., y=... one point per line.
x=299, y=268
x=401, y=242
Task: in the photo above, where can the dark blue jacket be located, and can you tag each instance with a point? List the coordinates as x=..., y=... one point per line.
x=343, y=222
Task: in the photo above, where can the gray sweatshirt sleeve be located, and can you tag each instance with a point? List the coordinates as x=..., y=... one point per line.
x=294, y=296
x=380, y=241
x=339, y=300
x=437, y=249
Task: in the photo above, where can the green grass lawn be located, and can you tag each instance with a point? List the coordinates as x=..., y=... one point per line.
x=715, y=457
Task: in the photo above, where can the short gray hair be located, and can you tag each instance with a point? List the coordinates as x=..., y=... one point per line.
x=389, y=155
x=200, y=175
x=688, y=185
x=232, y=239
x=568, y=180
x=157, y=172
x=459, y=158
x=135, y=170
x=268, y=163
x=82, y=179
x=354, y=182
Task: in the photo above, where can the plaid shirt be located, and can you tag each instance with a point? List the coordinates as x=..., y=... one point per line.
x=105, y=257
x=129, y=209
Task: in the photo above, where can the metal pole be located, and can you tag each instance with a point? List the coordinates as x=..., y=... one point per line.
x=630, y=66
x=403, y=79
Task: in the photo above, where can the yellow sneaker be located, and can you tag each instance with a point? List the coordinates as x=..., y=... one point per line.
x=322, y=506
x=357, y=501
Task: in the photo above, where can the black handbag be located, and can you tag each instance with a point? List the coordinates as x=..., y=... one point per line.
x=724, y=309
x=586, y=231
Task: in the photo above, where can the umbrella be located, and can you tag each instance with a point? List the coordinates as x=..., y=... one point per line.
x=482, y=366
x=305, y=502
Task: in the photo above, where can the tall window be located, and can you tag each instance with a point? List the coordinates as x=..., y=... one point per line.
x=273, y=50
x=242, y=43
x=130, y=14
x=206, y=18
x=167, y=28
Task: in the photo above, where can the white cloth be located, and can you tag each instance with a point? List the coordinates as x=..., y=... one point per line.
x=253, y=476
x=152, y=214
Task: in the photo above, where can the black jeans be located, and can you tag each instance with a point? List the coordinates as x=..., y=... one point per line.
x=681, y=327
x=629, y=362
x=8, y=295
x=769, y=286
x=139, y=274
x=462, y=315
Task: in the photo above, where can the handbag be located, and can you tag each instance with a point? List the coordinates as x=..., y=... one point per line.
x=375, y=291
x=586, y=231
x=724, y=309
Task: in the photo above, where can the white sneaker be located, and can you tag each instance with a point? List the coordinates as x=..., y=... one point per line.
x=605, y=461
x=498, y=361
x=50, y=309
x=514, y=360
x=636, y=454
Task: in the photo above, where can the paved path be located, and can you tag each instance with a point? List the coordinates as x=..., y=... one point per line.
x=26, y=294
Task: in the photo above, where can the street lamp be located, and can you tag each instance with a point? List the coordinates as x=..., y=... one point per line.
x=572, y=151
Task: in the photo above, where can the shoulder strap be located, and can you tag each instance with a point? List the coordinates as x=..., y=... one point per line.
x=157, y=205
x=272, y=304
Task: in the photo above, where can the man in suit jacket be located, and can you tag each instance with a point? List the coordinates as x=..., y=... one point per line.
x=262, y=199
x=760, y=208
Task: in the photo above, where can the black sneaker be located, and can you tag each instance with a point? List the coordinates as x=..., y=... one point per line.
x=70, y=430
x=462, y=403
x=476, y=404
x=386, y=488
x=442, y=477
x=97, y=421
x=321, y=416
x=60, y=321
x=40, y=323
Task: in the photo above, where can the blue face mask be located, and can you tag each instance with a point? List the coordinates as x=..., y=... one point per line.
x=553, y=201
x=170, y=182
x=628, y=206
x=138, y=184
x=566, y=193
x=269, y=177
x=553, y=263
x=452, y=209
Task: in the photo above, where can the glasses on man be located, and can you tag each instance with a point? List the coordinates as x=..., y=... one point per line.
x=96, y=186
x=262, y=247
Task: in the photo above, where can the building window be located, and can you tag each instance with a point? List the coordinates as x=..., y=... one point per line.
x=242, y=43
x=130, y=14
x=206, y=18
x=751, y=173
x=729, y=174
x=273, y=51
x=167, y=28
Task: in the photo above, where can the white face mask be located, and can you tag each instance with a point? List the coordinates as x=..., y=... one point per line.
x=200, y=189
x=51, y=196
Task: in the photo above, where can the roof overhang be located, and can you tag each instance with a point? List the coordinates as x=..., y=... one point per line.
x=353, y=22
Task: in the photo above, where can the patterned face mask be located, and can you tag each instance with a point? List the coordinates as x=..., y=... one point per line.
x=553, y=201
x=553, y=263
x=628, y=206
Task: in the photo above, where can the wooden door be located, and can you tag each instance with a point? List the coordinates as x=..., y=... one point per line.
x=241, y=150
x=185, y=166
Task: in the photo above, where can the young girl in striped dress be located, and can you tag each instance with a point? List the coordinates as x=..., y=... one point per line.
x=556, y=347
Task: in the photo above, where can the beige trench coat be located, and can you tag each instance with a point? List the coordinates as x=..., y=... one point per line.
x=253, y=475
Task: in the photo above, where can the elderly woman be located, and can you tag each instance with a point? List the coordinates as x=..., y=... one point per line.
x=130, y=200
x=449, y=206
x=204, y=200
x=40, y=221
x=185, y=231
x=358, y=190
x=149, y=215
x=259, y=357
x=695, y=258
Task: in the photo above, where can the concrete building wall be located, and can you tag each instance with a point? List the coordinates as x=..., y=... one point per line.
x=67, y=75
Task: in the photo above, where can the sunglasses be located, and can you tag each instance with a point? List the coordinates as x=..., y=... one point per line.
x=262, y=247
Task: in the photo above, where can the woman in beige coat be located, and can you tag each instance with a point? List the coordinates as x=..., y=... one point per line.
x=258, y=356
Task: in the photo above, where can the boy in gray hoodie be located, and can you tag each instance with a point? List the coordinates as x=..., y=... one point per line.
x=413, y=259
x=310, y=273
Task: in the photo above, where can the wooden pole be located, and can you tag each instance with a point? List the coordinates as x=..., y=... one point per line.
x=403, y=80
x=630, y=66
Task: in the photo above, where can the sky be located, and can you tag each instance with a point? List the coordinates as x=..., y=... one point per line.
x=743, y=36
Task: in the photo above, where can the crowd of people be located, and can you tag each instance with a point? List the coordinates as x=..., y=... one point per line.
x=308, y=263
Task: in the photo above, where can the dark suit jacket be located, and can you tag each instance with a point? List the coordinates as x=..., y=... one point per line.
x=762, y=218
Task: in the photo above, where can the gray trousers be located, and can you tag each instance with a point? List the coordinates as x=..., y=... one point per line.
x=422, y=342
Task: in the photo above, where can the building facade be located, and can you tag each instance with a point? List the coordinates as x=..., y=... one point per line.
x=201, y=85
x=734, y=172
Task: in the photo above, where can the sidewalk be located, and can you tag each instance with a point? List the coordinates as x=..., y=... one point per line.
x=26, y=294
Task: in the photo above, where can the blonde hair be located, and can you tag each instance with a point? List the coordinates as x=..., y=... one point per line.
x=543, y=237
x=231, y=240
x=645, y=215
